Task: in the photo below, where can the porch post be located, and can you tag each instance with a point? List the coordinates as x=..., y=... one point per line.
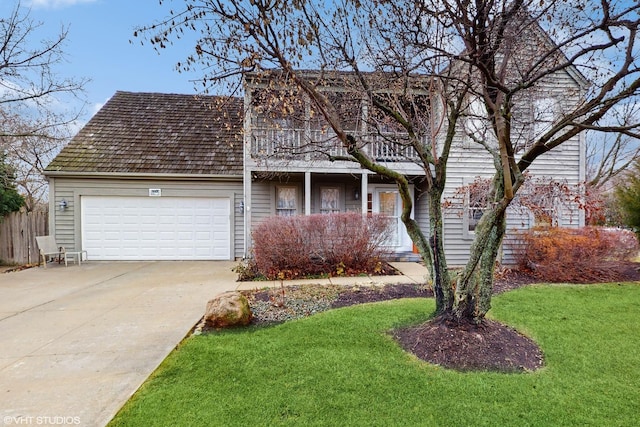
x=246, y=204
x=307, y=193
x=364, y=198
x=246, y=178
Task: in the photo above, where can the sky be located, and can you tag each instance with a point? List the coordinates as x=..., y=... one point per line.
x=98, y=46
x=101, y=47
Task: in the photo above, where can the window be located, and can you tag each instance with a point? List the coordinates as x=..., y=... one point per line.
x=389, y=205
x=329, y=200
x=475, y=121
x=531, y=120
x=544, y=114
x=544, y=198
x=545, y=217
x=277, y=122
x=349, y=108
x=273, y=108
x=474, y=213
x=286, y=201
x=475, y=203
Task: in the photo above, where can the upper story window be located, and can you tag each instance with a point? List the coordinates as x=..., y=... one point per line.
x=475, y=123
x=278, y=122
x=278, y=109
x=544, y=114
x=349, y=107
x=531, y=120
x=286, y=200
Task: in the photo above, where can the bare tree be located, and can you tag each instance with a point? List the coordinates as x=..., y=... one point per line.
x=34, y=119
x=433, y=69
x=611, y=153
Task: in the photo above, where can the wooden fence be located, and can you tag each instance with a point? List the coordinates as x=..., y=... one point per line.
x=18, y=232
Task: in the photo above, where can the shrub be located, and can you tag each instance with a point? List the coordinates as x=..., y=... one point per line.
x=247, y=270
x=575, y=255
x=320, y=244
x=628, y=198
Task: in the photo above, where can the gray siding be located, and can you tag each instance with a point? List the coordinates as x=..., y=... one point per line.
x=468, y=161
x=421, y=209
x=464, y=167
x=67, y=224
x=516, y=223
x=262, y=199
x=263, y=195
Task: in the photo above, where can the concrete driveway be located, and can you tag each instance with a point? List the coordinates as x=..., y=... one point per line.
x=76, y=342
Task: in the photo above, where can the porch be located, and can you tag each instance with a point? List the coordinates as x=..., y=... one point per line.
x=315, y=192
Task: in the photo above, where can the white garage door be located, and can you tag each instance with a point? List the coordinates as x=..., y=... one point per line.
x=156, y=228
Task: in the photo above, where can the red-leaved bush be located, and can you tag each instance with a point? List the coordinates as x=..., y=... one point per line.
x=575, y=255
x=333, y=244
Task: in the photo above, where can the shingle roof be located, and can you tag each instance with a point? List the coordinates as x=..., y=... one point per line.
x=158, y=133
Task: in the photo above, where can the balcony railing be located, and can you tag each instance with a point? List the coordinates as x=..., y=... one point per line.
x=300, y=144
x=391, y=147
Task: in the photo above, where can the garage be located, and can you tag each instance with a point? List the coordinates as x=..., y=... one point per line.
x=156, y=228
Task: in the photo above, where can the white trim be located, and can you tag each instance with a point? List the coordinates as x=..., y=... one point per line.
x=247, y=181
x=404, y=243
x=307, y=193
x=466, y=233
x=582, y=173
x=155, y=176
x=364, y=190
x=52, y=206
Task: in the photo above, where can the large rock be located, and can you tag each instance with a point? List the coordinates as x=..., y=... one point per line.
x=227, y=309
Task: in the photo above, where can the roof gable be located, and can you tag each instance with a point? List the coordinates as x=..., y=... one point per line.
x=142, y=133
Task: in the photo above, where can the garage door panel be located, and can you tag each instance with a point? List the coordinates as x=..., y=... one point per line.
x=156, y=228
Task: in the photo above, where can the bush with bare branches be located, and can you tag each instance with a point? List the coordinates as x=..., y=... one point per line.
x=335, y=244
x=575, y=255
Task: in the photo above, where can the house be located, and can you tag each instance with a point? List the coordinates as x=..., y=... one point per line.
x=161, y=176
x=284, y=174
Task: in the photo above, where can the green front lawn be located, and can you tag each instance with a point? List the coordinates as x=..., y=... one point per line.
x=340, y=368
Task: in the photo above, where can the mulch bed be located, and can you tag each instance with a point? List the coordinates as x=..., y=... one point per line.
x=364, y=295
x=465, y=346
x=442, y=341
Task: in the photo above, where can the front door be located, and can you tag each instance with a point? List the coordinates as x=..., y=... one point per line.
x=387, y=201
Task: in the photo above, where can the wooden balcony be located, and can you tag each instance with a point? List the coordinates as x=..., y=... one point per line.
x=302, y=144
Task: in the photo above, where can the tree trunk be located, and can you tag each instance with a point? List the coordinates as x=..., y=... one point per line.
x=439, y=271
x=487, y=267
x=432, y=250
x=474, y=285
x=474, y=289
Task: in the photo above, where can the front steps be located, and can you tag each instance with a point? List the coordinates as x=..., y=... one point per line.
x=403, y=257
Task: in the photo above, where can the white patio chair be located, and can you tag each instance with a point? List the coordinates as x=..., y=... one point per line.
x=48, y=247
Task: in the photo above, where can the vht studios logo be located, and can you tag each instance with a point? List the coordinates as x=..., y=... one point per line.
x=41, y=420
